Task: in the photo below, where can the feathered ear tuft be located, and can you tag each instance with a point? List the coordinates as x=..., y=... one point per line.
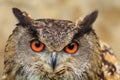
x=85, y=25
x=23, y=18
x=89, y=19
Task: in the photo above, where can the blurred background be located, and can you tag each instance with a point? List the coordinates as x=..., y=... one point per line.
x=107, y=25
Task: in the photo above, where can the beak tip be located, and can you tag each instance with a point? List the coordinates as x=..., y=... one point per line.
x=53, y=60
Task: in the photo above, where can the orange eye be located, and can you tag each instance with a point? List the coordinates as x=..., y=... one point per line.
x=36, y=45
x=71, y=48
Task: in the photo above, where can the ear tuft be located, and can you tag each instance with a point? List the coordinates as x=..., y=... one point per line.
x=18, y=14
x=23, y=17
x=85, y=26
x=89, y=19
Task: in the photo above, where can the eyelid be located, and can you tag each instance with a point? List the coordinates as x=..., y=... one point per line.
x=33, y=39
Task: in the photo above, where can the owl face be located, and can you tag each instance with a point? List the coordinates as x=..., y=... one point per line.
x=53, y=49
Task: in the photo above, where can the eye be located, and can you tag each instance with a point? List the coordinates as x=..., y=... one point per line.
x=71, y=48
x=36, y=45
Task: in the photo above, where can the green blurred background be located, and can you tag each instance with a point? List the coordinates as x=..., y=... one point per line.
x=107, y=25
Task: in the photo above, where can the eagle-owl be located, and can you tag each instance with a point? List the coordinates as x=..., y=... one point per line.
x=53, y=49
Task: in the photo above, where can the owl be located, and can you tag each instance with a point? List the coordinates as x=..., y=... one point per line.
x=53, y=49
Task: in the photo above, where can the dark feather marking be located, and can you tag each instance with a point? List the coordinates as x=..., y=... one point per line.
x=33, y=31
x=20, y=71
x=111, y=67
x=102, y=76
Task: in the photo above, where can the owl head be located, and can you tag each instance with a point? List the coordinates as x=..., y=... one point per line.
x=52, y=49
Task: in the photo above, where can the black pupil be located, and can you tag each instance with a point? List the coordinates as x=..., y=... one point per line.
x=71, y=46
x=37, y=43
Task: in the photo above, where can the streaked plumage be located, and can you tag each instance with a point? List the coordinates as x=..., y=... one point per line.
x=90, y=60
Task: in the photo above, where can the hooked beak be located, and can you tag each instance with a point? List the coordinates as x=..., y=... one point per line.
x=53, y=60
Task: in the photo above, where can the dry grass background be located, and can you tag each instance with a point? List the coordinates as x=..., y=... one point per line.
x=107, y=25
